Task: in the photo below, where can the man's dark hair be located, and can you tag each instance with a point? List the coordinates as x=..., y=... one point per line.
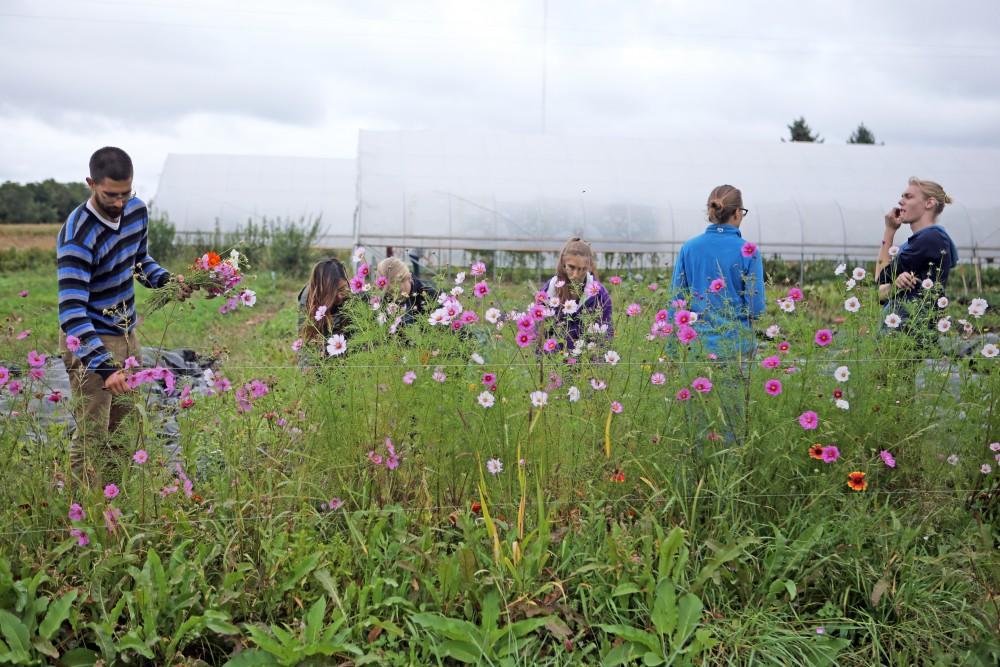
x=110, y=162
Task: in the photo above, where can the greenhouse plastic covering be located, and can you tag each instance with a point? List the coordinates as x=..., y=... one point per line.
x=495, y=191
x=196, y=191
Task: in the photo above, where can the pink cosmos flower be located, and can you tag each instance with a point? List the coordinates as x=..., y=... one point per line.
x=111, y=516
x=111, y=491
x=887, y=458
x=550, y=345
x=439, y=376
x=140, y=456
x=36, y=360
x=772, y=387
x=54, y=397
x=682, y=317
x=381, y=282
x=24, y=334
x=784, y=346
x=616, y=407
x=748, y=249
x=76, y=512
x=526, y=323
x=658, y=378
x=36, y=373
x=489, y=378
x=23, y=294
x=357, y=284
x=409, y=377
x=662, y=315
x=795, y=294
x=477, y=269
x=72, y=343
x=4, y=375
x=686, y=334
x=615, y=280
x=770, y=362
x=683, y=394
x=375, y=458
x=14, y=387
x=537, y=313
x=130, y=362
x=830, y=454
x=297, y=345
x=823, y=337
x=524, y=338
x=653, y=287
x=598, y=385
x=481, y=289
x=81, y=537
x=717, y=285
x=364, y=270
x=633, y=309
x=809, y=420
x=702, y=385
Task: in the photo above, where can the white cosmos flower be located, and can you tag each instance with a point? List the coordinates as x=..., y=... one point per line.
x=486, y=399
x=942, y=302
x=492, y=315
x=787, y=305
x=358, y=255
x=574, y=394
x=456, y=290
x=553, y=302
x=840, y=269
x=893, y=250
x=859, y=273
x=990, y=350
x=612, y=357
x=772, y=331
x=599, y=328
x=852, y=305
x=842, y=404
x=539, y=399
x=494, y=466
x=927, y=283
x=842, y=374
x=944, y=324
x=851, y=282
x=977, y=308
x=460, y=277
x=892, y=320
x=336, y=345
x=570, y=306
x=476, y=358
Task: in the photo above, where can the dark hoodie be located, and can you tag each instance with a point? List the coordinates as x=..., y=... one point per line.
x=930, y=253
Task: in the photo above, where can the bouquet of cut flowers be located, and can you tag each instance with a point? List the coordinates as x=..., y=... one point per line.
x=211, y=273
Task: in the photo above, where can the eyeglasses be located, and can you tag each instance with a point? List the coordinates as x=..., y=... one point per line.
x=745, y=212
x=112, y=197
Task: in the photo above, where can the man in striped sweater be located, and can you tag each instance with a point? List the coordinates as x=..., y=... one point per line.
x=100, y=247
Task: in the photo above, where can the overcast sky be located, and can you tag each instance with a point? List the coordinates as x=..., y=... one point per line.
x=301, y=77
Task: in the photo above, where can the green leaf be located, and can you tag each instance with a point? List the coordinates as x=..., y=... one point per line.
x=669, y=547
x=634, y=635
x=626, y=588
x=526, y=626
x=619, y=655
x=58, y=612
x=664, y=614
x=314, y=621
x=304, y=567
x=491, y=614
x=688, y=618
x=131, y=642
x=45, y=647
x=451, y=628
x=460, y=650
x=15, y=633
x=653, y=659
x=218, y=622
x=78, y=657
x=251, y=658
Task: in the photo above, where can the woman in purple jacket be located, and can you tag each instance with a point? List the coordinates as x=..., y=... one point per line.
x=583, y=309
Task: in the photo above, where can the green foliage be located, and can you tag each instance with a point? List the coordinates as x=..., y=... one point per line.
x=799, y=130
x=311, y=637
x=161, y=239
x=862, y=135
x=47, y=201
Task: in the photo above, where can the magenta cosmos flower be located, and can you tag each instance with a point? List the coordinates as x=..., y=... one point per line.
x=409, y=377
x=36, y=360
x=481, y=289
x=489, y=379
x=830, y=454
x=887, y=459
x=76, y=512
x=717, y=285
x=772, y=387
x=111, y=491
x=683, y=394
x=72, y=343
x=795, y=294
x=658, y=378
x=823, y=337
x=809, y=420
x=615, y=280
x=702, y=385
x=686, y=334
x=771, y=362
x=140, y=456
x=682, y=317
x=748, y=249
x=616, y=407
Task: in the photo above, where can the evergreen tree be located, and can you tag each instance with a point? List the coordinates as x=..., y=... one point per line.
x=862, y=135
x=801, y=131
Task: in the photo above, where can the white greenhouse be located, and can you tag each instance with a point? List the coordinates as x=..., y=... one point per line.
x=490, y=191
x=201, y=192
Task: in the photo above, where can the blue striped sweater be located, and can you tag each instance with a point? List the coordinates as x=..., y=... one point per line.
x=95, y=268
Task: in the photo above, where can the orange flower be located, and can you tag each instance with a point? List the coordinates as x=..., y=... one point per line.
x=816, y=451
x=213, y=260
x=618, y=476
x=856, y=480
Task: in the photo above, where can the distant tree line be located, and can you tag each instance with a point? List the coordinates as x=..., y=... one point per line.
x=799, y=130
x=48, y=201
